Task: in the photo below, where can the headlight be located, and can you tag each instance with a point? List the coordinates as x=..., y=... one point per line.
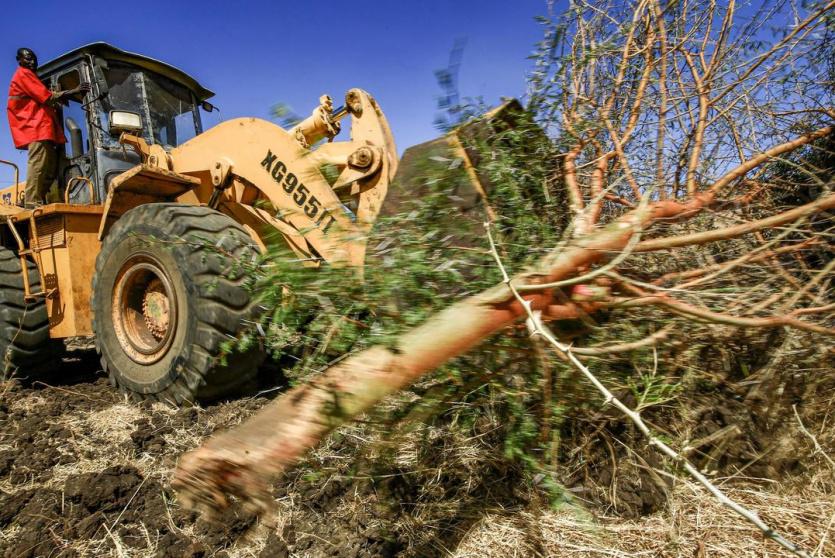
x=124, y=121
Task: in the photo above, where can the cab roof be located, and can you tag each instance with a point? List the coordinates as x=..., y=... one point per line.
x=109, y=52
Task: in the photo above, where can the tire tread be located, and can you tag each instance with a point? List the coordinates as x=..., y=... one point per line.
x=223, y=306
x=26, y=348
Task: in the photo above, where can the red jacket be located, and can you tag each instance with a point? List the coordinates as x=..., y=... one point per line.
x=30, y=118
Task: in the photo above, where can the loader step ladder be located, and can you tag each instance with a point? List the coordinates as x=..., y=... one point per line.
x=35, y=253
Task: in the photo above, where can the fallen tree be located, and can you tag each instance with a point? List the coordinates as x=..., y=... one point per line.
x=650, y=102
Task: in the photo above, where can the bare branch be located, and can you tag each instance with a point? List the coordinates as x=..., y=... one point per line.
x=821, y=204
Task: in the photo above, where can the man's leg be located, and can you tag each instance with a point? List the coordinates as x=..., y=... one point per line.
x=50, y=173
x=36, y=172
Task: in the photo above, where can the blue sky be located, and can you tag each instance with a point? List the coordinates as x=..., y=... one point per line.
x=257, y=53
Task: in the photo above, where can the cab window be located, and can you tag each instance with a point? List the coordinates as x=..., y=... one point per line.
x=167, y=109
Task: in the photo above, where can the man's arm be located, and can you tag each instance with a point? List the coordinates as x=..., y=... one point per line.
x=34, y=88
x=62, y=95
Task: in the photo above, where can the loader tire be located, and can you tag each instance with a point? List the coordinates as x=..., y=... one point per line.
x=25, y=346
x=168, y=290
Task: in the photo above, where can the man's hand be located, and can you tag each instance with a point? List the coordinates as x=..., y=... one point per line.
x=62, y=95
x=83, y=88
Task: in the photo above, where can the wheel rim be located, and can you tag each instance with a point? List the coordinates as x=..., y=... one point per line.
x=144, y=310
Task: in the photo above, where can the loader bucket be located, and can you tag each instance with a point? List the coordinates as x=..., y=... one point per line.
x=456, y=150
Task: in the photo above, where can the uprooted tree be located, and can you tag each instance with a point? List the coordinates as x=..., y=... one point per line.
x=692, y=150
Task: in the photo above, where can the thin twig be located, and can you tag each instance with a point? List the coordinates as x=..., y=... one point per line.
x=118, y=546
x=113, y=525
x=818, y=448
x=649, y=340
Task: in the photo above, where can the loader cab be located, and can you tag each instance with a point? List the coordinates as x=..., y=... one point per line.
x=130, y=93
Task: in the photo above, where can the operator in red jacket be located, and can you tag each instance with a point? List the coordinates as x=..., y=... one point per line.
x=34, y=124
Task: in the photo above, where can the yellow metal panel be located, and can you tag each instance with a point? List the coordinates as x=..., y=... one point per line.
x=68, y=267
x=143, y=184
x=153, y=181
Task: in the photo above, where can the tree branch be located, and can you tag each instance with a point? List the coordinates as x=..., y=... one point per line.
x=821, y=204
x=538, y=328
x=683, y=308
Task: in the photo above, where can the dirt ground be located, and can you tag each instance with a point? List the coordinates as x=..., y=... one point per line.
x=84, y=472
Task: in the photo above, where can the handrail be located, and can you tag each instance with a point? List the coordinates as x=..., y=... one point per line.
x=35, y=249
x=21, y=253
x=16, y=176
x=72, y=181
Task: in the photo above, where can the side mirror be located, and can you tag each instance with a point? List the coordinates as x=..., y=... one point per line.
x=124, y=121
x=208, y=107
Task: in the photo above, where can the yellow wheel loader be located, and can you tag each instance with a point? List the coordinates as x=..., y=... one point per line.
x=146, y=249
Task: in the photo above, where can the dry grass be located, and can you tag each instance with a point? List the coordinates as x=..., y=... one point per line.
x=27, y=403
x=9, y=534
x=99, y=438
x=692, y=526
